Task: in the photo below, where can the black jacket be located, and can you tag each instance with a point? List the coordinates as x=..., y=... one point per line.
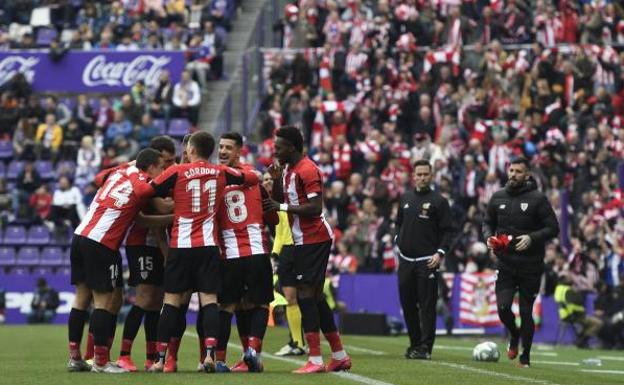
x=424, y=224
x=521, y=211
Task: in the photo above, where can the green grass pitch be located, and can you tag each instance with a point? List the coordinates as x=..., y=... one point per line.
x=38, y=355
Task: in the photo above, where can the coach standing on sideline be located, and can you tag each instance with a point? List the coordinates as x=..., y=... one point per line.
x=518, y=222
x=424, y=234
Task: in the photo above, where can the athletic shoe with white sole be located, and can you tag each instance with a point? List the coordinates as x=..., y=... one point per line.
x=78, y=366
x=290, y=350
x=108, y=368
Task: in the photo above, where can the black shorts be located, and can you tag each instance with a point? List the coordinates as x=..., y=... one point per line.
x=146, y=265
x=195, y=269
x=304, y=264
x=95, y=264
x=250, y=277
x=509, y=280
x=286, y=267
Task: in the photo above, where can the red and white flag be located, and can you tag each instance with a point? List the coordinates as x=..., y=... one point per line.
x=477, y=303
x=444, y=55
x=325, y=75
x=318, y=129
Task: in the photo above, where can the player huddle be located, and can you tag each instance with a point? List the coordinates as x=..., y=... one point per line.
x=200, y=227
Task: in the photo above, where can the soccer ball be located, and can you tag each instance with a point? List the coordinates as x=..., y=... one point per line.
x=486, y=351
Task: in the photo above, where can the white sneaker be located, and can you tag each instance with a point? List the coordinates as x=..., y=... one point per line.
x=284, y=351
x=289, y=350
x=78, y=366
x=108, y=368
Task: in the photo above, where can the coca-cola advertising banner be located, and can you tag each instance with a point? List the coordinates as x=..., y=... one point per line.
x=90, y=71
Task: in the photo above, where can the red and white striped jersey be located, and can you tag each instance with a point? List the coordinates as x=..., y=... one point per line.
x=241, y=223
x=140, y=236
x=302, y=182
x=198, y=189
x=114, y=208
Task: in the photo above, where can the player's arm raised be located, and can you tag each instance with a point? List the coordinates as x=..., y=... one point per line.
x=240, y=177
x=270, y=216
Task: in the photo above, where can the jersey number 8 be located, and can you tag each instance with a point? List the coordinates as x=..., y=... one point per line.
x=235, y=203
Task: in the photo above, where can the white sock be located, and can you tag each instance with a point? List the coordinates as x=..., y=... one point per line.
x=339, y=355
x=316, y=360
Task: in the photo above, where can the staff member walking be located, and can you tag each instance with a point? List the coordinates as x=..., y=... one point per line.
x=424, y=233
x=518, y=222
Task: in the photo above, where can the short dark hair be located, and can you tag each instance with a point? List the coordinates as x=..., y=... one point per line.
x=186, y=139
x=235, y=136
x=147, y=157
x=163, y=143
x=203, y=143
x=521, y=160
x=292, y=135
x=422, y=162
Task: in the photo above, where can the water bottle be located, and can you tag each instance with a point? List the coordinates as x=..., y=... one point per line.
x=592, y=362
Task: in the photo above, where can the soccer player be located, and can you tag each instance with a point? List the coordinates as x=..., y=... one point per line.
x=302, y=188
x=193, y=258
x=95, y=258
x=146, y=266
x=246, y=267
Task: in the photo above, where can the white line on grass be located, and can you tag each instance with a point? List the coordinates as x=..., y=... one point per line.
x=563, y=363
x=348, y=376
x=361, y=350
x=602, y=371
x=492, y=373
x=466, y=348
x=611, y=358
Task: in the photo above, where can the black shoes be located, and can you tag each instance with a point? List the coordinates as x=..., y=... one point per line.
x=413, y=353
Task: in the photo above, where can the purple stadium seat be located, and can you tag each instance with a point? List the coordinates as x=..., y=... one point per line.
x=179, y=127
x=38, y=236
x=61, y=239
x=45, y=36
x=28, y=256
x=6, y=149
x=46, y=171
x=66, y=167
x=161, y=125
x=15, y=235
x=15, y=167
x=52, y=256
x=7, y=256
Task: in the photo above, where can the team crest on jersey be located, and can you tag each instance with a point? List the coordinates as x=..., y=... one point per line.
x=524, y=206
x=144, y=274
x=424, y=212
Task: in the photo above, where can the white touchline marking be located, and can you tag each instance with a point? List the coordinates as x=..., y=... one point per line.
x=611, y=358
x=358, y=349
x=346, y=375
x=557, y=363
x=466, y=348
x=603, y=371
x=492, y=373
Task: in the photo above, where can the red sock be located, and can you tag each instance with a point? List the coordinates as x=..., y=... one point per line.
x=256, y=344
x=219, y=355
x=210, y=342
x=101, y=355
x=202, y=350
x=244, y=342
x=334, y=341
x=174, y=346
x=74, y=351
x=314, y=343
x=90, y=350
x=126, y=347
x=151, y=350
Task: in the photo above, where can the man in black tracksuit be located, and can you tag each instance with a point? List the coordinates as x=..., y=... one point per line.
x=518, y=222
x=424, y=234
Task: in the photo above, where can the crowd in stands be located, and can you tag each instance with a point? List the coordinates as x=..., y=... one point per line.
x=198, y=27
x=378, y=85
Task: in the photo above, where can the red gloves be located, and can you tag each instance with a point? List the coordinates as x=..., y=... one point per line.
x=500, y=243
